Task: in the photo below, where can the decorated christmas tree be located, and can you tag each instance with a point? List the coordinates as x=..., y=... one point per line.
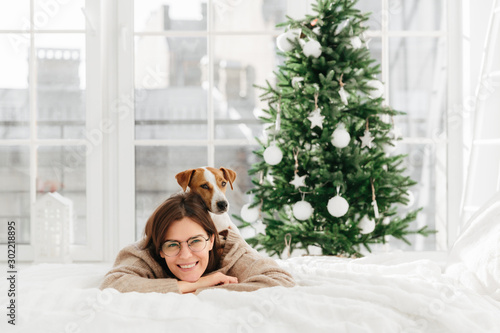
x=329, y=176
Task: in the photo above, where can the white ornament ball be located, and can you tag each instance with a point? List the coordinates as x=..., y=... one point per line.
x=302, y=210
x=340, y=137
x=249, y=214
x=338, y=206
x=366, y=225
x=386, y=220
x=273, y=155
x=378, y=88
x=312, y=49
x=283, y=41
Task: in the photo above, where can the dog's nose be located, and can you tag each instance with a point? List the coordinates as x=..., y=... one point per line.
x=222, y=205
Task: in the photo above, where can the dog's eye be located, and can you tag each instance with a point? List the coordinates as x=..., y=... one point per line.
x=205, y=186
x=223, y=184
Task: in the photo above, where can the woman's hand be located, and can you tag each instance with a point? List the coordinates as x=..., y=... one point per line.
x=210, y=280
x=215, y=279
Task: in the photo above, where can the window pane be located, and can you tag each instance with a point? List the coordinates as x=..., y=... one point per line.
x=255, y=15
x=375, y=8
x=375, y=47
x=155, y=170
x=60, y=61
x=241, y=63
x=15, y=192
x=171, y=102
x=169, y=61
x=160, y=15
x=418, y=85
x=173, y=113
x=421, y=167
x=14, y=105
x=15, y=15
x=56, y=15
x=416, y=15
x=63, y=170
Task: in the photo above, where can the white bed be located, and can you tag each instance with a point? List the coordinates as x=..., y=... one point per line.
x=378, y=293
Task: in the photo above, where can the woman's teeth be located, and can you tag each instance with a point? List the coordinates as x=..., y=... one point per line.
x=187, y=266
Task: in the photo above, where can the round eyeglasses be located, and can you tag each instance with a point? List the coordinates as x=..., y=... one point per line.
x=195, y=244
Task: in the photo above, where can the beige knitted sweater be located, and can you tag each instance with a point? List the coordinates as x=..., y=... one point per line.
x=135, y=269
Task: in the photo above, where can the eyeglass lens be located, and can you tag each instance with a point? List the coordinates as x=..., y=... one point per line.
x=172, y=248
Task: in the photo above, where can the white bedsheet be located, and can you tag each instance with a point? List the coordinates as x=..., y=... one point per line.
x=333, y=295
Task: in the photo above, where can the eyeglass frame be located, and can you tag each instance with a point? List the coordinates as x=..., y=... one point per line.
x=186, y=241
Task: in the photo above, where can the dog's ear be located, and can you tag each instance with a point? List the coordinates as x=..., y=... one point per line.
x=229, y=175
x=184, y=178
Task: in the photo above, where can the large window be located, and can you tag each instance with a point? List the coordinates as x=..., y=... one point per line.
x=105, y=101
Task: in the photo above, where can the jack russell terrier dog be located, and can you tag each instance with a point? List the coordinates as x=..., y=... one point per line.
x=211, y=185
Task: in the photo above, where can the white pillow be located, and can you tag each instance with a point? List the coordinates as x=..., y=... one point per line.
x=475, y=256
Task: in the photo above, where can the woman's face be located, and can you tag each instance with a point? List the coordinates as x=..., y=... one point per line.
x=187, y=265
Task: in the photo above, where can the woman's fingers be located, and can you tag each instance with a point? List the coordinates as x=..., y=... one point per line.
x=230, y=279
x=224, y=279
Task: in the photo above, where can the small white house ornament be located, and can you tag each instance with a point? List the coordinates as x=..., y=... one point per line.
x=52, y=227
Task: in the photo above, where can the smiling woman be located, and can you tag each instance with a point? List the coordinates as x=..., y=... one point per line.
x=182, y=252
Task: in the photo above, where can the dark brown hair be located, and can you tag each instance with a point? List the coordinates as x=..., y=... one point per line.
x=173, y=209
